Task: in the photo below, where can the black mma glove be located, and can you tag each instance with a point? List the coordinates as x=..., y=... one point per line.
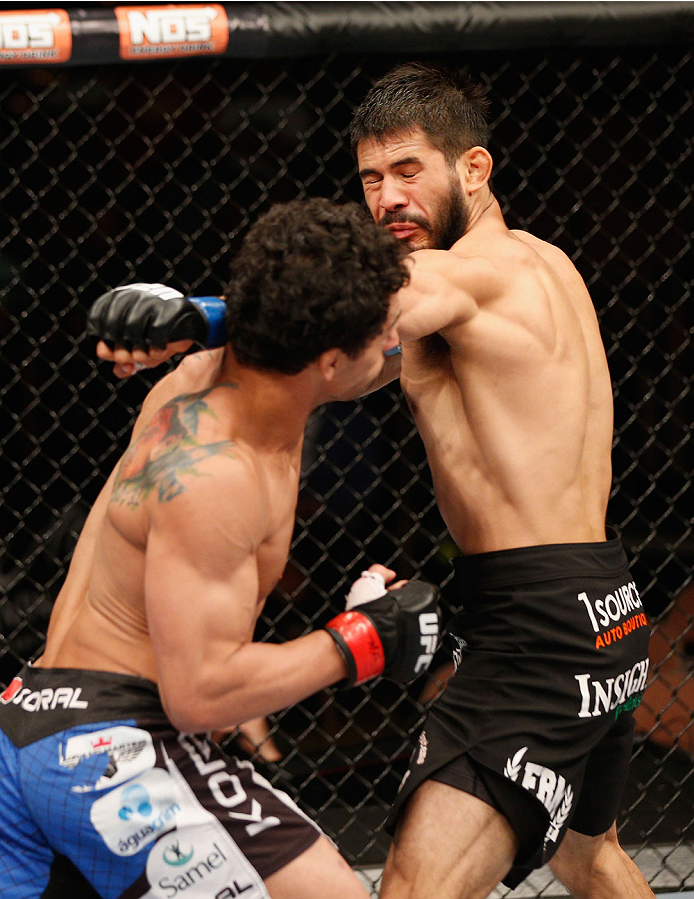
x=141, y=316
x=395, y=635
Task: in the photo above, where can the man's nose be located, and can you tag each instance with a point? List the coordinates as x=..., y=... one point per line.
x=392, y=196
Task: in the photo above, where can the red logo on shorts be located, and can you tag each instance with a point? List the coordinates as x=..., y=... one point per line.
x=14, y=687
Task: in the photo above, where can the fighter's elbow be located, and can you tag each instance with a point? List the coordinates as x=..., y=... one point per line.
x=197, y=716
x=200, y=705
x=188, y=715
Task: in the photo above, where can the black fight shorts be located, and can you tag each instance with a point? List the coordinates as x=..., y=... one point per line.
x=93, y=771
x=551, y=655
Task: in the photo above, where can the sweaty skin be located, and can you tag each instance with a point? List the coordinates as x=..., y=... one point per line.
x=513, y=401
x=504, y=370
x=502, y=361
x=506, y=376
x=162, y=504
x=191, y=533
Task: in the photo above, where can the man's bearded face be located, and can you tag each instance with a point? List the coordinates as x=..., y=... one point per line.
x=449, y=222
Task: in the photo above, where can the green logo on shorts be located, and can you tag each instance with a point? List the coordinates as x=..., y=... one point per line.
x=631, y=703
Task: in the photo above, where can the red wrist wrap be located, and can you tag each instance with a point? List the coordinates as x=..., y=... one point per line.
x=362, y=640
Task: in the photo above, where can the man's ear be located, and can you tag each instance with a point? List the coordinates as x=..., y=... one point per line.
x=476, y=166
x=327, y=363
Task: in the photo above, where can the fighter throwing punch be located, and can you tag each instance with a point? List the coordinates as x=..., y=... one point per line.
x=104, y=752
x=524, y=755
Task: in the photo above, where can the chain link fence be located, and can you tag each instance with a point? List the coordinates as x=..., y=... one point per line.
x=117, y=174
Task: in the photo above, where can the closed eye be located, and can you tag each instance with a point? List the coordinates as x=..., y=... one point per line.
x=370, y=176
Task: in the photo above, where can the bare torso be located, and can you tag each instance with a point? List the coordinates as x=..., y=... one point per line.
x=514, y=405
x=100, y=620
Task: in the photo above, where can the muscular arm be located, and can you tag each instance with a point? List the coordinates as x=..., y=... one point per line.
x=443, y=291
x=202, y=600
x=79, y=575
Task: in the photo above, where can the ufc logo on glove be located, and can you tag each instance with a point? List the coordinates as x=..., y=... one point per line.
x=429, y=639
x=384, y=631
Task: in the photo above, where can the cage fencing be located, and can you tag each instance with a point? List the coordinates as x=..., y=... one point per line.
x=116, y=174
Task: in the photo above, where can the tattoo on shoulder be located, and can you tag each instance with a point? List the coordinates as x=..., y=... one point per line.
x=167, y=451
x=201, y=356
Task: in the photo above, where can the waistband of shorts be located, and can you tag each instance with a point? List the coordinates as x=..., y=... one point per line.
x=40, y=702
x=105, y=685
x=548, y=562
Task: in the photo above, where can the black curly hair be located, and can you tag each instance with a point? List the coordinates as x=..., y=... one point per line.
x=449, y=106
x=310, y=276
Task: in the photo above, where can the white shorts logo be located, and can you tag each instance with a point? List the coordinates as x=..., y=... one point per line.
x=459, y=647
x=200, y=861
x=135, y=814
x=551, y=789
x=124, y=752
x=422, y=750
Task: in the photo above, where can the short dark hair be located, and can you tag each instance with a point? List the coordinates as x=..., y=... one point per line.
x=310, y=276
x=450, y=108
